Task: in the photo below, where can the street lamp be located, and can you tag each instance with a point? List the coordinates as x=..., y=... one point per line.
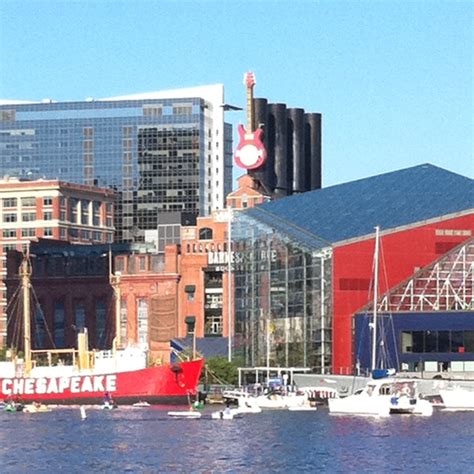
x=229, y=283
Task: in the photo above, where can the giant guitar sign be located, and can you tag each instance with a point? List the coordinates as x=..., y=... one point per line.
x=250, y=152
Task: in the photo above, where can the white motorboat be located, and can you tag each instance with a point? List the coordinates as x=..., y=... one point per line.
x=457, y=398
x=226, y=414
x=281, y=400
x=141, y=404
x=36, y=408
x=362, y=402
x=184, y=414
x=381, y=398
x=276, y=400
x=248, y=404
x=306, y=406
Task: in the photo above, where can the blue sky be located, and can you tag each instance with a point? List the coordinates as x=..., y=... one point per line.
x=393, y=79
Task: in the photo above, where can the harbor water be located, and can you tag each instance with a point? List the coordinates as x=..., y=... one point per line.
x=147, y=440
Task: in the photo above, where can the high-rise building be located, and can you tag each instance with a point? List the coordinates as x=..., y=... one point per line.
x=163, y=152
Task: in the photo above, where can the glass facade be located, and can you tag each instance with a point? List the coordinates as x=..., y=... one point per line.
x=283, y=305
x=160, y=155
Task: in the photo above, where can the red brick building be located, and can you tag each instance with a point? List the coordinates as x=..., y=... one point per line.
x=50, y=209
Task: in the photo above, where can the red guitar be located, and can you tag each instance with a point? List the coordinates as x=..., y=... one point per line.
x=250, y=153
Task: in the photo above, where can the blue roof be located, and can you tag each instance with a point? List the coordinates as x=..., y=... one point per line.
x=207, y=346
x=351, y=210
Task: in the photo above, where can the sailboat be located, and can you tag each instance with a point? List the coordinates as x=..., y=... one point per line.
x=383, y=394
x=123, y=373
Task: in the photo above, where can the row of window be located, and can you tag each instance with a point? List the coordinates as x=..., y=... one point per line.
x=83, y=234
x=437, y=341
x=30, y=201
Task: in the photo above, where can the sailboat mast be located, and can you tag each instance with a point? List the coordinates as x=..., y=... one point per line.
x=25, y=272
x=376, y=297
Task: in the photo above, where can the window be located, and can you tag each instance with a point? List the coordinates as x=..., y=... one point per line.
x=28, y=201
x=205, y=233
x=123, y=321
x=80, y=316
x=48, y=232
x=142, y=316
x=9, y=202
x=48, y=216
x=40, y=328
x=10, y=217
x=9, y=233
x=418, y=341
x=7, y=115
x=152, y=111
x=59, y=324
x=100, y=315
x=48, y=201
x=28, y=232
x=469, y=341
x=28, y=216
x=142, y=263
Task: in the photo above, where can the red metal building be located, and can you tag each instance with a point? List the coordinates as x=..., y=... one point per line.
x=405, y=251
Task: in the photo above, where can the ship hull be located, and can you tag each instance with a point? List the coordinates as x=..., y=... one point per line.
x=167, y=384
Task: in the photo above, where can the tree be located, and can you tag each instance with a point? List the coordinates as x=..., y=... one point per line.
x=221, y=370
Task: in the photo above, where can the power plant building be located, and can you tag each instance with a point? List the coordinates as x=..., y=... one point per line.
x=293, y=142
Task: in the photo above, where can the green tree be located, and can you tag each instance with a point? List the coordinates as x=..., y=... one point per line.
x=3, y=354
x=220, y=370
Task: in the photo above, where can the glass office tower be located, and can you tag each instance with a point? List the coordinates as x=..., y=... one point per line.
x=164, y=152
x=283, y=304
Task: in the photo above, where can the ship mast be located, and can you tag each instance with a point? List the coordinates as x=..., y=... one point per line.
x=25, y=273
x=115, y=282
x=376, y=297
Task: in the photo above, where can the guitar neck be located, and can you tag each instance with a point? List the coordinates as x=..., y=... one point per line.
x=250, y=118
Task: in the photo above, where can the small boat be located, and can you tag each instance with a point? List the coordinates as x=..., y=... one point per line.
x=36, y=408
x=383, y=397
x=184, y=414
x=141, y=404
x=457, y=399
x=12, y=407
x=270, y=400
x=226, y=414
x=109, y=405
x=307, y=406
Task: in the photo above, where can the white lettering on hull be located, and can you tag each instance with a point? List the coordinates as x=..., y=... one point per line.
x=59, y=385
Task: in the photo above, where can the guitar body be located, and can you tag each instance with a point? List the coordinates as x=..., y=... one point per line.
x=250, y=153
